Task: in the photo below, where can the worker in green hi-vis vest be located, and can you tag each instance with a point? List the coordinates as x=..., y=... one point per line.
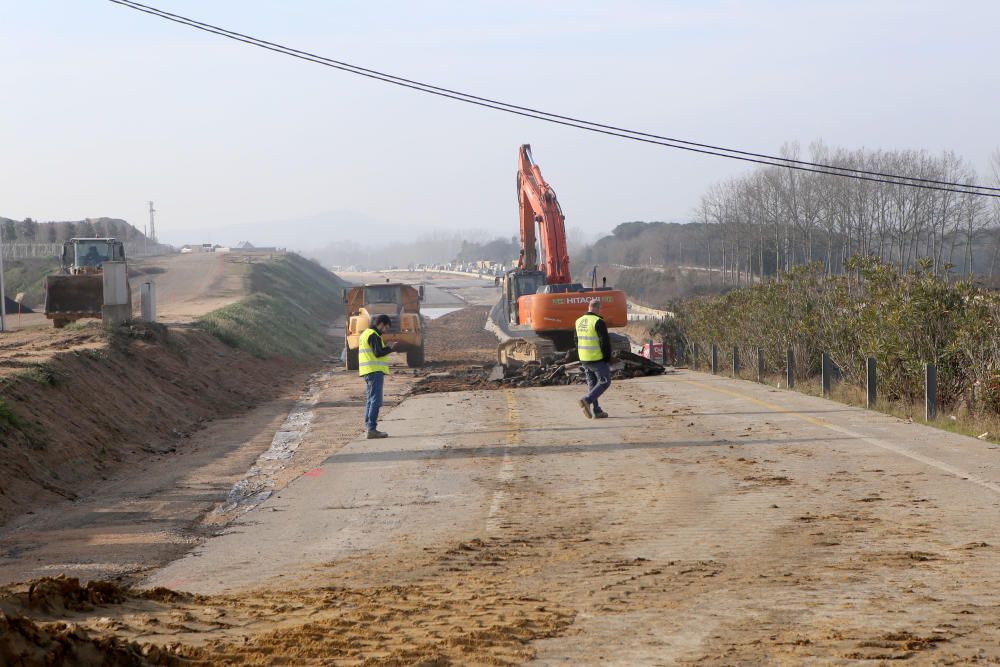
x=373, y=366
x=593, y=346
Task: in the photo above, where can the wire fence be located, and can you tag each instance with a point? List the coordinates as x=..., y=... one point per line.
x=43, y=250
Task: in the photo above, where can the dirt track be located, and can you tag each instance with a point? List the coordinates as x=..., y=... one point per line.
x=707, y=521
x=189, y=286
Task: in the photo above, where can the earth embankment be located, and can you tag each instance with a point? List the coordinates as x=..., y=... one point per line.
x=98, y=400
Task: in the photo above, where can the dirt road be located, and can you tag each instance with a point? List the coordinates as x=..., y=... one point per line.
x=708, y=521
x=191, y=285
x=187, y=286
x=441, y=290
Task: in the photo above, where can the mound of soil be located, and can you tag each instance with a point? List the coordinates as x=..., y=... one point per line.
x=25, y=642
x=460, y=338
x=452, y=605
x=65, y=424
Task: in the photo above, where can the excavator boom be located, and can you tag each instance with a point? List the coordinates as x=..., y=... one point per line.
x=539, y=206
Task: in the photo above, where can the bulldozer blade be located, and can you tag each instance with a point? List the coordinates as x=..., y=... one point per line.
x=74, y=296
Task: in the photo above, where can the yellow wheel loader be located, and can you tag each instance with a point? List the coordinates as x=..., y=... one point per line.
x=77, y=291
x=401, y=303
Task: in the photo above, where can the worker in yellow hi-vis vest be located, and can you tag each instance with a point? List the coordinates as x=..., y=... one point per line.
x=373, y=366
x=593, y=346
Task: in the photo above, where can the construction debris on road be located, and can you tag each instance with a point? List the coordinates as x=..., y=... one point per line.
x=623, y=366
x=461, y=357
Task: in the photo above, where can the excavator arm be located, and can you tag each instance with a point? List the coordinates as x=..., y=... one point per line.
x=539, y=207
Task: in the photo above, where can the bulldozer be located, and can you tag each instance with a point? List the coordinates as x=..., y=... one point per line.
x=401, y=303
x=77, y=291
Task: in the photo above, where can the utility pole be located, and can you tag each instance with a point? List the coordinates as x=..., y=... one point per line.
x=3, y=292
x=152, y=225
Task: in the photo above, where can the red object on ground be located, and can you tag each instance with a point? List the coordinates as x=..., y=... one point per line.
x=653, y=352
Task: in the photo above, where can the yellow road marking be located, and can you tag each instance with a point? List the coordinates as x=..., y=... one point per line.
x=506, y=473
x=764, y=404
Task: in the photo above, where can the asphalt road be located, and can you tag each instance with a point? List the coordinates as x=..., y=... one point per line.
x=707, y=519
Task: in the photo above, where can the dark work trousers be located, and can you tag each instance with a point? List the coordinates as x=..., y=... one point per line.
x=373, y=393
x=598, y=374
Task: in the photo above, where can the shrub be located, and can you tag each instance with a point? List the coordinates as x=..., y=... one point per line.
x=903, y=320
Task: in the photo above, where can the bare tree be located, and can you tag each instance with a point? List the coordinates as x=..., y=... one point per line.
x=796, y=217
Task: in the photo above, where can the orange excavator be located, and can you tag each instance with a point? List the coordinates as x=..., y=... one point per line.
x=540, y=303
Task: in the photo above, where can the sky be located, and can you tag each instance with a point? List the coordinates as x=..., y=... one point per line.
x=105, y=108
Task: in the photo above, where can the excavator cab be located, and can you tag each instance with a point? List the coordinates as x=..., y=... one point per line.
x=518, y=283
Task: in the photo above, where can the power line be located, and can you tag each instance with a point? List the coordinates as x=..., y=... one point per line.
x=569, y=121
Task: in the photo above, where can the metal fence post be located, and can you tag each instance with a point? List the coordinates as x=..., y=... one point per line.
x=826, y=375
x=872, y=382
x=715, y=359
x=736, y=361
x=760, y=364
x=3, y=292
x=790, y=368
x=695, y=359
x=930, y=393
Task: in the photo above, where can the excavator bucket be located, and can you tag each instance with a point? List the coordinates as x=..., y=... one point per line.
x=69, y=297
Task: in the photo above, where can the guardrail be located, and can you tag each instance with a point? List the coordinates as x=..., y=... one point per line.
x=830, y=373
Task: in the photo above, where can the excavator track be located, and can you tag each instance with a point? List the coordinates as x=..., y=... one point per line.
x=527, y=348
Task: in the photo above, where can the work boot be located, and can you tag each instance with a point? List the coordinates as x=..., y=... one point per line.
x=586, y=408
x=375, y=434
x=600, y=414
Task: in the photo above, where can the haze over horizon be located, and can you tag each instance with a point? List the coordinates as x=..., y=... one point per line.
x=110, y=108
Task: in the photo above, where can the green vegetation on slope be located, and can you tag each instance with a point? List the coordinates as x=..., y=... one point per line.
x=8, y=418
x=287, y=314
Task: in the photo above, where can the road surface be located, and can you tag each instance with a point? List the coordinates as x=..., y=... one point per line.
x=708, y=519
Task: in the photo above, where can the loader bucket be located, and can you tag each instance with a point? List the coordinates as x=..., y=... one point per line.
x=72, y=297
